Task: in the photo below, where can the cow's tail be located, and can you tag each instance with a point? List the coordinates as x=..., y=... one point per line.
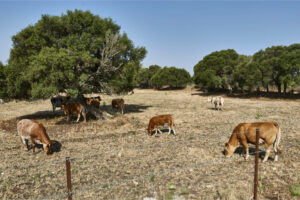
x=278, y=137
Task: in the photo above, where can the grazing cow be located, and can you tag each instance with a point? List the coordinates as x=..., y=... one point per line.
x=161, y=120
x=58, y=100
x=118, y=103
x=36, y=132
x=74, y=109
x=245, y=133
x=218, y=101
x=93, y=101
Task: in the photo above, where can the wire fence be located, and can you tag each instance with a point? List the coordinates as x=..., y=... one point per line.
x=139, y=177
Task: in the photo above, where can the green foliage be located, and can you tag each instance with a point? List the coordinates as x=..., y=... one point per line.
x=216, y=69
x=275, y=66
x=76, y=51
x=145, y=74
x=294, y=190
x=172, y=77
x=126, y=81
x=3, y=85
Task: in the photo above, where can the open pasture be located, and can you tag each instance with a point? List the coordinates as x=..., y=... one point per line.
x=116, y=159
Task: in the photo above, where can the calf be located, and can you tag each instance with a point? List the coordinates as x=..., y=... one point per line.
x=74, y=109
x=245, y=133
x=161, y=120
x=218, y=101
x=58, y=100
x=36, y=132
x=93, y=101
x=118, y=103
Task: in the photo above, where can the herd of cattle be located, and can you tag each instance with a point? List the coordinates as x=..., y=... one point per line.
x=242, y=134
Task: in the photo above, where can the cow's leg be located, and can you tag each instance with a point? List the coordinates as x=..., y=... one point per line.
x=169, y=130
x=25, y=142
x=276, y=154
x=78, y=117
x=268, y=150
x=155, y=132
x=246, y=149
x=68, y=117
x=172, y=128
x=84, y=116
x=33, y=145
x=159, y=130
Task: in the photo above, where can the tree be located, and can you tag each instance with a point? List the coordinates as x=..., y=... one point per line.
x=77, y=51
x=126, y=81
x=216, y=69
x=145, y=74
x=172, y=77
x=2, y=81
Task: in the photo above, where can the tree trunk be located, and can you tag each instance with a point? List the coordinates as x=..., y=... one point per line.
x=267, y=88
x=284, y=89
x=279, y=88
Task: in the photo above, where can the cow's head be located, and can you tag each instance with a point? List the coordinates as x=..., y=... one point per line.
x=229, y=149
x=47, y=148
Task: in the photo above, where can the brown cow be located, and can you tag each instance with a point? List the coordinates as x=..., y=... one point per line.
x=118, y=103
x=93, y=101
x=161, y=120
x=74, y=109
x=36, y=132
x=245, y=133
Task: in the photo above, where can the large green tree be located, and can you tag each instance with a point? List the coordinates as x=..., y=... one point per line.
x=77, y=51
x=145, y=74
x=172, y=77
x=215, y=70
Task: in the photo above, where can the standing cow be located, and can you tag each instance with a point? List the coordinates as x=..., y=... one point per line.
x=217, y=101
x=36, y=133
x=244, y=133
x=161, y=120
x=118, y=103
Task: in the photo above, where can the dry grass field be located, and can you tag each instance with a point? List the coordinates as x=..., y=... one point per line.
x=116, y=159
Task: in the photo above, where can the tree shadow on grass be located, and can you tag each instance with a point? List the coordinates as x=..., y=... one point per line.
x=46, y=114
x=128, y=108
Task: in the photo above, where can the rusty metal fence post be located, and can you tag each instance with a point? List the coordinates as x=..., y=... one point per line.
x=256, y=165
x=69, y=183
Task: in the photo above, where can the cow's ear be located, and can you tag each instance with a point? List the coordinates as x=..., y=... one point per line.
x=226, y=144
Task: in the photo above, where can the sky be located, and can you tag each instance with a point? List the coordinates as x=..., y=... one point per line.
x=175, y=32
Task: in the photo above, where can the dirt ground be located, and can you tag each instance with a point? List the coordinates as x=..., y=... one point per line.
x=116, y=159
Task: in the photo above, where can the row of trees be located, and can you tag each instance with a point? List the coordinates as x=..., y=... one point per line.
x=83, y=53
x=157, y=77
x=276, y=66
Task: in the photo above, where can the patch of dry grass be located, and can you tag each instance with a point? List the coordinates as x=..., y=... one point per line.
x=108, y=154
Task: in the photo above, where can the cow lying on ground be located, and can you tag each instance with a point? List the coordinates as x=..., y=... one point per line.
x=93, y=101
x=118, y=103
x=58, y=100
x=245, y=133
x=161, y=120
x=217, y=101
x=36, y=132
x=74, y=109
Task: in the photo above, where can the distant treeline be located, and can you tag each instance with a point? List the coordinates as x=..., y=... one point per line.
x=276, y=66
x=79, y=52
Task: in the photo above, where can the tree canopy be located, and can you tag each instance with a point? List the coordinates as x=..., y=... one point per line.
x=277, y=66
x=77, y=51
x=172, y=77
